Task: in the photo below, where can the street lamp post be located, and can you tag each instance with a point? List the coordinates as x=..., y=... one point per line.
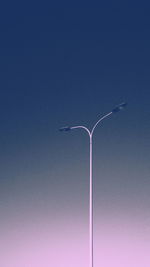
x=90, y=133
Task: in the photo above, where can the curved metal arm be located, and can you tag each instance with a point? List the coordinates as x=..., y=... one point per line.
x=82, y=127
x=87, y=130
x=105, y=116
x=90, y=133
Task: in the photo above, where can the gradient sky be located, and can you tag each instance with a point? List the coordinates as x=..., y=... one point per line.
x=69, y=64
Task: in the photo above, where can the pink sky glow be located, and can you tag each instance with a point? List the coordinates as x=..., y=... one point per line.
x=65, y=244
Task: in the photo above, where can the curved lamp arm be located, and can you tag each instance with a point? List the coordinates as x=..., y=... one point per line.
x=82, y=127
x=105, y=116
x=90, y=133
x=67, y=128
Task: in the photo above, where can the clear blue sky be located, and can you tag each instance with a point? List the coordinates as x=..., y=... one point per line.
x=67, y=65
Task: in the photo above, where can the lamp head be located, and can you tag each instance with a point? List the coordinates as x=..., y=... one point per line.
x=65, y=129
x=119, y=107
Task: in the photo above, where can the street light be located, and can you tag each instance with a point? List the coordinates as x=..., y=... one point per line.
x=90, y=133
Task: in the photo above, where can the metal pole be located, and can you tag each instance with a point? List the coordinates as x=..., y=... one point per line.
x=91, y=207
x=90, y=133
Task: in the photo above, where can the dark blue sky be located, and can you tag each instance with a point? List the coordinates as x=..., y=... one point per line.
x=66, y=65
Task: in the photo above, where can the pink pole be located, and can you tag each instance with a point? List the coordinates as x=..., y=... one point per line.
x=91, y=207
x=90, y=133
